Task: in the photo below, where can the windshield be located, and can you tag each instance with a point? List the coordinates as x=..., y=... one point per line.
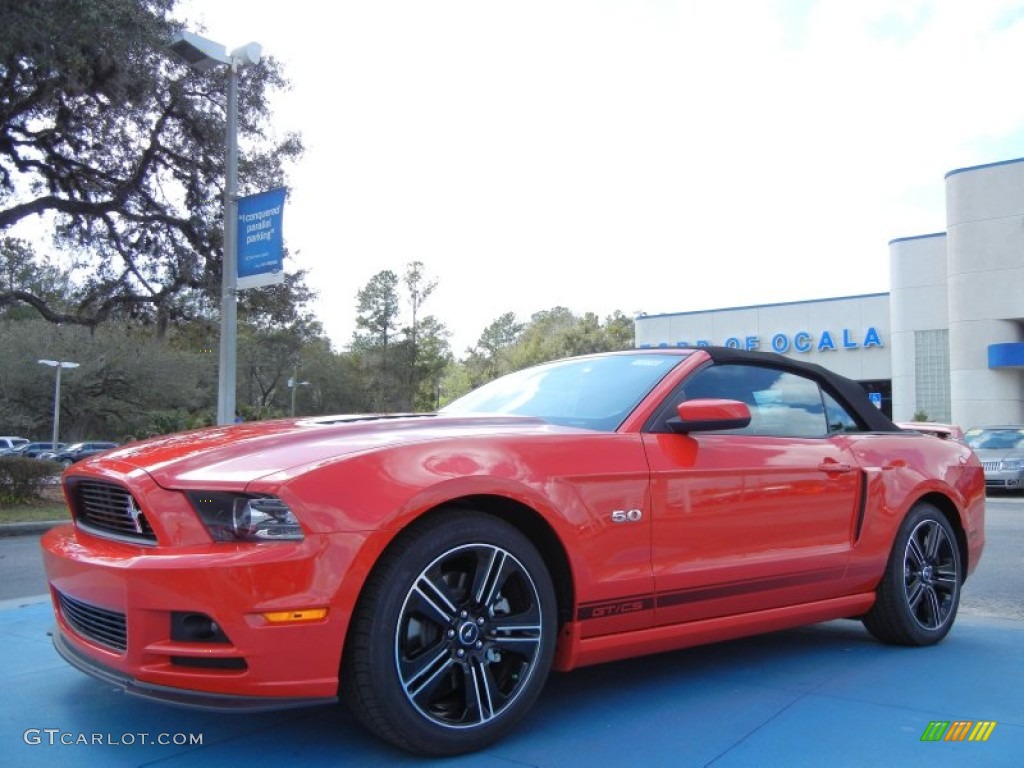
x=589, y=392
x=995, y=439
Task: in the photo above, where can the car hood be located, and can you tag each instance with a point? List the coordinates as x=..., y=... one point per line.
x=235, y=455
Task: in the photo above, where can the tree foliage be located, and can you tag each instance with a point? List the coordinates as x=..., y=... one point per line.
x=119, y=150
x=489, y=359
x=332, y=381
x=378, y=306
x=123, y=386
x=127, y=386
x=22, y=269
x=400, y=366
x=508, y=345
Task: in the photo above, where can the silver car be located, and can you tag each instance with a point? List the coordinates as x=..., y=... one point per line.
x=1001, y=450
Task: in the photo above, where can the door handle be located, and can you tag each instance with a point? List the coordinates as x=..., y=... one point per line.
x=831, y=466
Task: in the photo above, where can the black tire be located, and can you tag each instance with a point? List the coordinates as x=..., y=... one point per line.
x=452, y=640
x=919, y=594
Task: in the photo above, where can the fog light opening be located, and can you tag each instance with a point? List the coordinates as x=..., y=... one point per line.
x=196, y=628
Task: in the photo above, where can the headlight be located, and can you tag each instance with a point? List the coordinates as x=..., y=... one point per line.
x=1013, y=465
x=238, y=517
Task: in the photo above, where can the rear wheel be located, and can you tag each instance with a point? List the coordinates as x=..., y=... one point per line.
x=453, y=639
x=920, y=592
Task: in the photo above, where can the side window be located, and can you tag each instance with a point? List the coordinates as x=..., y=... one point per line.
x=839, y=419
x=781, y=403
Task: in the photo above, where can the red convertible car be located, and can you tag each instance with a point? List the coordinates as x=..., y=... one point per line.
x=431, y=569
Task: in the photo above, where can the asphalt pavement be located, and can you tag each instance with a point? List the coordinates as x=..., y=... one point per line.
x=822, y=695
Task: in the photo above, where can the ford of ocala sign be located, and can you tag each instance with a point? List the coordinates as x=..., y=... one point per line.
x=801, y=341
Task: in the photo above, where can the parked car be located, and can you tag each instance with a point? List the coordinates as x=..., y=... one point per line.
x=430, y=569
x=8, y=444
x=78, y=451
x=32, y=450
x=1001, y=450
x=937, y=429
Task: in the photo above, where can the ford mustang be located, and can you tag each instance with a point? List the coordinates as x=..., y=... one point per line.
x=430, y=570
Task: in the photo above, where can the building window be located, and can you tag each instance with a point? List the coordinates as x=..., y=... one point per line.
x=931, y=368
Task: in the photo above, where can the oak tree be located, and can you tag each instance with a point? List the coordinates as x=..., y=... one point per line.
x=115, y=150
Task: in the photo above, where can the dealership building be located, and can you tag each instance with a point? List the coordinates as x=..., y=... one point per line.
x=946, y=341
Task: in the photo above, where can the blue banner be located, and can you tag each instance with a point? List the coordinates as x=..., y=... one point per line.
x=260, y=244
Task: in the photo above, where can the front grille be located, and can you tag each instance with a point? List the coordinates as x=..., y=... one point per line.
x=109, y=510
x=108, y=628
x=990, y=466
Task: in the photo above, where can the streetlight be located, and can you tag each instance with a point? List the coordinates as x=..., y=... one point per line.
x=204, y=55
x=58, y=364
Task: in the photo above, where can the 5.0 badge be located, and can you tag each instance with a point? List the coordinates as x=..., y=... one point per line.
x=627, y=515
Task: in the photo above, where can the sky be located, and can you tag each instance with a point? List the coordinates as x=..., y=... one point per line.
x=633, y=155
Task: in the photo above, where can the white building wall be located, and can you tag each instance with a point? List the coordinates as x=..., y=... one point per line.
x=985, y=248
x=917, y=302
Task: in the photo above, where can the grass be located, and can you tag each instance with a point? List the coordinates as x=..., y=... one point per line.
x=31, y=513
x=50, y=507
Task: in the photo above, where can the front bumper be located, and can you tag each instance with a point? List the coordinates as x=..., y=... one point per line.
x=1011, y=480
x=176, y=696
x=119, y=610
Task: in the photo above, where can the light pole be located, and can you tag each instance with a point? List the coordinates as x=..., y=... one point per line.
x=294, y=384
x=204, y=55
x=58, y=364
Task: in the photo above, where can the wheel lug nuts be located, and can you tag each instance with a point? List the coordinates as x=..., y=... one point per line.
x=451, y=633
x=460, y=653
x=463, y=614
x=480, y=621
x=479, y=645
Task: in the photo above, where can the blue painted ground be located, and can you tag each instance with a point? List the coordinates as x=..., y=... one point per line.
x=823, y=695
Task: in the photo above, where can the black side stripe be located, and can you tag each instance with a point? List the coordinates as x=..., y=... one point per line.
x=607, y=608
x=747, y=587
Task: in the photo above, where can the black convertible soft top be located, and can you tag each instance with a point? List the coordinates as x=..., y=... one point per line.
x=849, y=391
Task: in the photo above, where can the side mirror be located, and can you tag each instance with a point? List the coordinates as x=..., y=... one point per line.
x=705, y=415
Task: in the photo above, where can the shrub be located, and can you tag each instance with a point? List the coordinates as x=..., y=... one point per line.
x=23, y=479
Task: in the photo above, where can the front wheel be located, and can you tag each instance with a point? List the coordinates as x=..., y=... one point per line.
x=453, y=639
x=920, y=592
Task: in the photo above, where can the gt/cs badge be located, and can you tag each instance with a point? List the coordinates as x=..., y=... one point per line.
x=627, y=515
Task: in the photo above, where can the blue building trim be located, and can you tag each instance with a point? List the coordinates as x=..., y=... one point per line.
x=981, y=167
x=916, y=237
x=1006, y=355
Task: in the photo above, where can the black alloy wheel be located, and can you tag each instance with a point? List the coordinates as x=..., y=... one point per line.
x=468, y=636
x=454, y=637
x=931, y=575
x=920, y=591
